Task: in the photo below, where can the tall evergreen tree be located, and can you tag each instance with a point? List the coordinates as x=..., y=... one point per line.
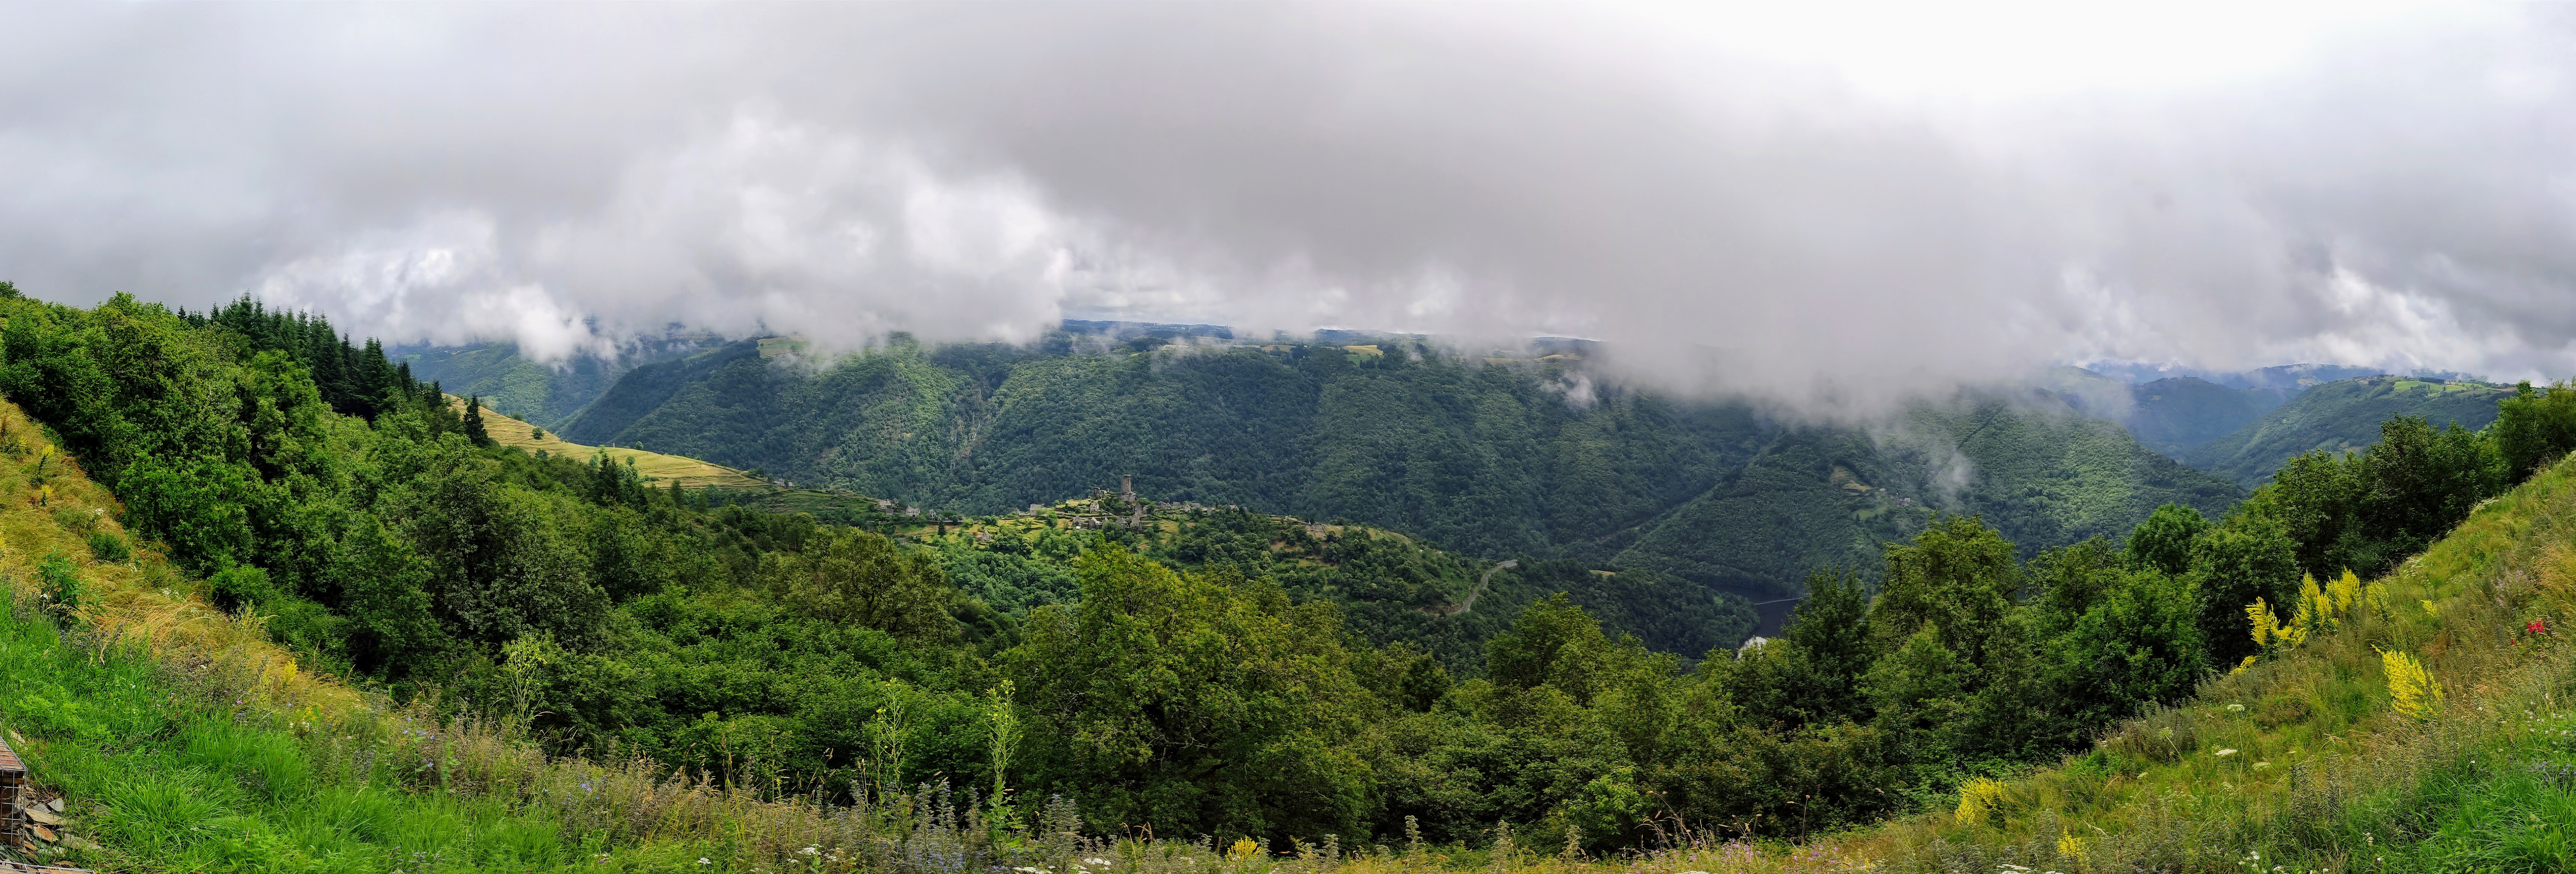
x=474, y=422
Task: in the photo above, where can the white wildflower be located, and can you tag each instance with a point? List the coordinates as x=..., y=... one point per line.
x=2236, y=708
x=1095, y=861
x=2226, y=752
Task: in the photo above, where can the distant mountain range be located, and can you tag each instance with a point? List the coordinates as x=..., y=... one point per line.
x=2286, y=376
x=1486, y=456
x=2247, y=431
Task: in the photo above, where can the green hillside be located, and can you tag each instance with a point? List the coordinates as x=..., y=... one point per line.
x=1485, y=456
x=1834, y=496
x=2339, y=416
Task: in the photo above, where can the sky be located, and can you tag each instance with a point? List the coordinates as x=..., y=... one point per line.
x=1826, y=204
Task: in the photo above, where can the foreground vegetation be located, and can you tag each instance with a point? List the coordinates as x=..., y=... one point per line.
x=759, y=684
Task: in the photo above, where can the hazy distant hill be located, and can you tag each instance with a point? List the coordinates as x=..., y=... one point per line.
x=2172, y=415
x=2177, y=415
x=2342, y=415
x=543, y=394
x=1489, y=457
x=2286, y=376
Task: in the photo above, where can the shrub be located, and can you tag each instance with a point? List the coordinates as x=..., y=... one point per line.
x=58, y=583
x=107, y=546
x=236, y=587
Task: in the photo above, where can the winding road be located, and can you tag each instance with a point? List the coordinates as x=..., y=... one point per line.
x=1470, y=603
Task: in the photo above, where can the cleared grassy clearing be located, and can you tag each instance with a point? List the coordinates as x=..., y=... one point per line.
x=654, y=466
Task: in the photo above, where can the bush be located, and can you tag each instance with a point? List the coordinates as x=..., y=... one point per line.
x=58, y=584
x=237, y=587
x=107, y=546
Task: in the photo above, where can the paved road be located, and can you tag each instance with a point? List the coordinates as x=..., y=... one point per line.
x=1470, y=603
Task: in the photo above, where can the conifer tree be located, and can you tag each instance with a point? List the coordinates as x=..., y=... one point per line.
x=474, y=422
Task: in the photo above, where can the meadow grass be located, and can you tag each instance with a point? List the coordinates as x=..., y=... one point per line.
x=655, y=467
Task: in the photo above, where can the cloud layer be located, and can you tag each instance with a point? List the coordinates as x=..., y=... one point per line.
x=1833, y=208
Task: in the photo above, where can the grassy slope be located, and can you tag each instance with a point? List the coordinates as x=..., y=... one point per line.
x=2323, y=774
x=2341, y=415
x=183, y=740
x=656, y=467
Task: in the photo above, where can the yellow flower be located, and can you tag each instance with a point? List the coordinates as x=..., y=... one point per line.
x=2410, y=686
x=1979, y=797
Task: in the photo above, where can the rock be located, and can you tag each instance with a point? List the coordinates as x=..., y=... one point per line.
x=43, y=832
x=43, y=816
x=56, y=804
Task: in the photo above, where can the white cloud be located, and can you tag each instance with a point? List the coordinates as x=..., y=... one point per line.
x=1824, y=206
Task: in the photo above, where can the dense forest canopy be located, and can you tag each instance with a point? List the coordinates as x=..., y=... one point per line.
x=1214, y=671
x=1489, y=456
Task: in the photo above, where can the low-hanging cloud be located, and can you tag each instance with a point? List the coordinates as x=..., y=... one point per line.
x=2397, y=191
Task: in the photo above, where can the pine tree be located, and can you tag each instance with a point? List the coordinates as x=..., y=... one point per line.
x=474, y=422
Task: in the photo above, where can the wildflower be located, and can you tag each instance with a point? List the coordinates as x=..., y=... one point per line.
x=2236, y=708
x=702, y=860
x=809, y=851
x=2226, y=752
x=1979, y=797
x=2410, y=687
x=1095, y=861
x=2537, y=626
x=1024, y=869
x=2262, y=765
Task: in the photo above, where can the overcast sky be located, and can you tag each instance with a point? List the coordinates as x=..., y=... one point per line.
x=1799, y=203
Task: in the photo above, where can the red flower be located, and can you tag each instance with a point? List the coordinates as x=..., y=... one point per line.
x=2537, y=627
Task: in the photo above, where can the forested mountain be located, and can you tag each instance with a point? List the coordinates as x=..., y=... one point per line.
x=1815, y=496
x=2340, y=416
x=1489, y=457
